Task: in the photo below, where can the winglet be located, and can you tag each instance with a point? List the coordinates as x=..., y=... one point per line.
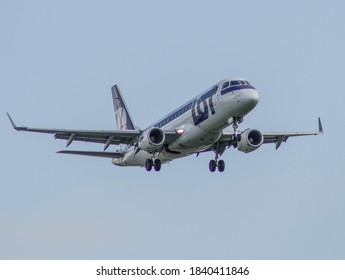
x=14, y=125
x=320, y=126
x=12, y=122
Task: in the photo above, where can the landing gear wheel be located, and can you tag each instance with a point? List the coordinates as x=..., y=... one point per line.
x=221, y=165
x=148, y=164
x=157, y=165
x=212, y=165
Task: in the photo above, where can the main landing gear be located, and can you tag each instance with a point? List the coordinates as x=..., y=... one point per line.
x=219, y=149
x=214, y=164
x=155, y=163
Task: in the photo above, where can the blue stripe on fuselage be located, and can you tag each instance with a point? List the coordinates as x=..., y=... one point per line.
x=233, y=88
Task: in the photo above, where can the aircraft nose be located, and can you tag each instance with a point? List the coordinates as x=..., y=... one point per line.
x=252, y=98
x=255, y=97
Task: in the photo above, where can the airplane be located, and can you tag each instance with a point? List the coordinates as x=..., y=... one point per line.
x=193, y=128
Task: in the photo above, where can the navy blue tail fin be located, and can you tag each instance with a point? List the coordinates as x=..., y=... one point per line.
x=123, y=119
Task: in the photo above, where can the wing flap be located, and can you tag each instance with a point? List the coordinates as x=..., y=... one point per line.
x=115, y=137
x=93, y=154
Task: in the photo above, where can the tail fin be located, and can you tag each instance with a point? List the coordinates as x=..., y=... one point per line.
x=123, y=119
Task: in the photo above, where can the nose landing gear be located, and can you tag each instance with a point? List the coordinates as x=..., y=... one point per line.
x=236, y=137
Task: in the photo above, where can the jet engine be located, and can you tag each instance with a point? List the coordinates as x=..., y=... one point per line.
x=251, y=139
x=151, y=140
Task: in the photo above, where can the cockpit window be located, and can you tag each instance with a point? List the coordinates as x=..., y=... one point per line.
x=225, y=85
x=239, y=82
x=235, y=83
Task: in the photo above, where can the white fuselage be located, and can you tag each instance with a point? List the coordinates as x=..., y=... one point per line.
x=202, y=119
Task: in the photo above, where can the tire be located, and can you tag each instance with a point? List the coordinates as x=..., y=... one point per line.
x=148, y=164
x=157, y=165
x=212, y=165
x=221, y=165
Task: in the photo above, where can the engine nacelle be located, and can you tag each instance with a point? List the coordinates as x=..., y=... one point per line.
x=152, y=140
x=251, y=139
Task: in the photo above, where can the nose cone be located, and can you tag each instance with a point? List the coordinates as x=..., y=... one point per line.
x=251, y=98
x=254, y=97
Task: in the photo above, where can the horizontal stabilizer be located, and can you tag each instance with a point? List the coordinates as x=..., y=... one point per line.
x=94, y=154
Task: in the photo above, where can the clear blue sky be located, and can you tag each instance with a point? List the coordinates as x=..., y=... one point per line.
x=58, y=62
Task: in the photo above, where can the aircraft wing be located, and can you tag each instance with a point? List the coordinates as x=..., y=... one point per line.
x=279, y=137
x=227, y=138
x=106, y=137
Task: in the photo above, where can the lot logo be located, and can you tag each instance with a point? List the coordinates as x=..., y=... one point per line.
x=202, y=105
